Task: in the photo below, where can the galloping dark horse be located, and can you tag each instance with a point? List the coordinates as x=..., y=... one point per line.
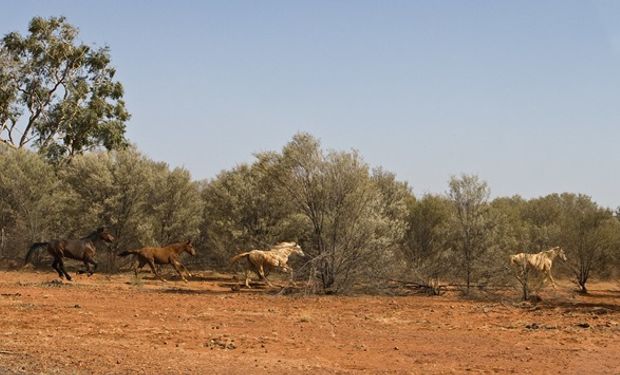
x=82, y=249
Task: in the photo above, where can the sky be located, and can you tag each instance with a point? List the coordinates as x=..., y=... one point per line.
x=525, y=94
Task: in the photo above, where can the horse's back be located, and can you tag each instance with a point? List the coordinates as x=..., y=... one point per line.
x=77, y=249
x=57, y=247
x=160, y=255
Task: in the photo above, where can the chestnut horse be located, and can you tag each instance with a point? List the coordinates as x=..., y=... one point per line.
x=82, y=249
x=161, y=255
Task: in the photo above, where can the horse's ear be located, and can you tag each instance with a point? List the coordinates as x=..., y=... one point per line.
x=189, y=242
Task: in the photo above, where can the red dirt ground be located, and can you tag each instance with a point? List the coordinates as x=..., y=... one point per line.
x=113, y=324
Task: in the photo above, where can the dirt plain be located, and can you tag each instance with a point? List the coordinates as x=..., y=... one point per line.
x=116, y=325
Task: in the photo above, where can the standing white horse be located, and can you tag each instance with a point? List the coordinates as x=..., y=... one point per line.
x=261, y=262
x=541, y=262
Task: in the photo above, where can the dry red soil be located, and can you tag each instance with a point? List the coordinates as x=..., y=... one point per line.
x=115, y=325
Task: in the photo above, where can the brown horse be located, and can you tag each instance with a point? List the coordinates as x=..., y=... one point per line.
x=161, y=255
x=82, y=249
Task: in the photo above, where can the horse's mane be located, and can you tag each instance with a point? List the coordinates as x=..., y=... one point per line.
x=92, y=235
x=284, y=245
x=552, y=250
x=174, y=245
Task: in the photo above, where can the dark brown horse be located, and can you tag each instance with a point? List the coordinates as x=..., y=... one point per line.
x=161, y=255
x=82, y=249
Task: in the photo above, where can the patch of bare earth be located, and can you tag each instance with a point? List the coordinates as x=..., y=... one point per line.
x=112, y=324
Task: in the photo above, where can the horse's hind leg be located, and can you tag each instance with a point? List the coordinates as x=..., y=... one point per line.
x=247, y=278
x=261, y=273
x=137, y=265
x=152, y=265
x=55, y=266
x=291, y=277
x=61, y=265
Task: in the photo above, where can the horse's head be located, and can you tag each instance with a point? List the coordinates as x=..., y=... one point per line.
x=289, y=247
x=560, y=253
x=187, y=246
x=297, y=250
x=105, y=235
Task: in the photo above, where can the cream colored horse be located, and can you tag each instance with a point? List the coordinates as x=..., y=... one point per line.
x=541, y=262
x=261, y=262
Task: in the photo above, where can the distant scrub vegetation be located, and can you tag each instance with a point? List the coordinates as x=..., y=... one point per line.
x=360, y=227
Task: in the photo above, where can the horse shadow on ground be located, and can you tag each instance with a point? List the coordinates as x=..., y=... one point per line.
x=228, y=284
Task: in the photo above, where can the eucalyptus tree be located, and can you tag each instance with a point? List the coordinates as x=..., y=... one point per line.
x=57, y=94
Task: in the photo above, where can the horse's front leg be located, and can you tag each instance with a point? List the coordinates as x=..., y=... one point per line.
x=88, y=270
x=87, y=262
x=185, y=269
x=289, y=270
x=291, y=276
x=175, y=265
x=261, y=273
x=552, y=281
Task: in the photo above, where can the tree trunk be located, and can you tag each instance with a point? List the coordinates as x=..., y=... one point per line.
x=582, y=286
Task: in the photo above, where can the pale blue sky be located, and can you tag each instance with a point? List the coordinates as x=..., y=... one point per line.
x=526, y=94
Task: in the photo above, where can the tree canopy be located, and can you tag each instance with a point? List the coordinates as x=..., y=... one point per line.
x=58, y=95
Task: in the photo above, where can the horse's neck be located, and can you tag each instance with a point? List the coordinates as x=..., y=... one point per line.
x=91, y=237
x=551, y=254
x=284, y=252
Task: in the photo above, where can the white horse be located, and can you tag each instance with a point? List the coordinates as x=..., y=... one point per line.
x=541, y=262
x=261, y=262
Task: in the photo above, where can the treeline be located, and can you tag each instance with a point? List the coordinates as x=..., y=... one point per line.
x=360, y=227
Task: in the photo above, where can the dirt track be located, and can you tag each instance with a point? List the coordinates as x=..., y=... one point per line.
x=103, y=325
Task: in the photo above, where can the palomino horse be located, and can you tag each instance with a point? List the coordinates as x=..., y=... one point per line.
x=540, y=262
x=261, y=262
x=161, y=255
x=82, y=249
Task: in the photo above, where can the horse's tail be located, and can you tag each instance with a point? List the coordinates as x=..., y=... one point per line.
x=33, y=248
x=127, y=252
x=236, y=258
